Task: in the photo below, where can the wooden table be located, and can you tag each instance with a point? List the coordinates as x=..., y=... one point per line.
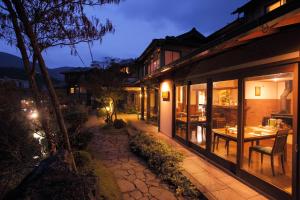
x=251, y=134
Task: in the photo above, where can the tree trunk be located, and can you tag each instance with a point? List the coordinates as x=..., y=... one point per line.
x=31, y=77
x=54, y=100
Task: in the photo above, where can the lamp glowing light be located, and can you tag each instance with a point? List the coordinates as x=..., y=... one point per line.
x=33, y=115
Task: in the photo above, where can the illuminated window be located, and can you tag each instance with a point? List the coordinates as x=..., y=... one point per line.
x=72, y=90
x=171, y=56
x=275, y=5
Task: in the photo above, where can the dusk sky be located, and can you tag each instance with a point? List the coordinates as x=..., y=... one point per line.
x=137, y=22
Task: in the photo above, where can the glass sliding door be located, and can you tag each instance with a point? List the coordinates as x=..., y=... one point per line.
x=197, y=114
x=268, y=128
x=181, y=111
x=224, y=119
x=153, y=105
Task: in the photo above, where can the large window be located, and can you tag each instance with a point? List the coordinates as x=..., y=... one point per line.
x=275, y=5
x=268, y=120
x=181, y=111
x=197, y=114
x=224, y=119
x=171, y=56
x=153, y=105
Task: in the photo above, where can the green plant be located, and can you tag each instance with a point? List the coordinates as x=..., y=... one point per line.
x=165, y=162
x=82, y=158
x=119, y=123
x=81, y=140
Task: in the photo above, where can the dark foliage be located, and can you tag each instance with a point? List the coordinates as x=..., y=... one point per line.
x=17, y=145
x=53, y=179
x=119, y=123
x=81, y=140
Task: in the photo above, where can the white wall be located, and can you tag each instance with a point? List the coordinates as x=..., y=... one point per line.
x=269, y=90
x=166, y=109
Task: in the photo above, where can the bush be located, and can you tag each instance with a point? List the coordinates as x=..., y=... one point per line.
x=82, y=158
x=165, y=162
x=119, y=123
x=81, y=140
x=76, y=116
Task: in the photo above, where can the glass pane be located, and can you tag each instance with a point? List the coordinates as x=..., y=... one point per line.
x=224, y=115
x=197, y=132
x=181, y=111
x=268, y=115
x=153, y=105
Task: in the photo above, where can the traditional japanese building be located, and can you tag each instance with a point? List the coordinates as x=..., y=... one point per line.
x=233, y=96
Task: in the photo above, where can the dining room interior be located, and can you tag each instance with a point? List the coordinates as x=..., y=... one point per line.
x=266, y=128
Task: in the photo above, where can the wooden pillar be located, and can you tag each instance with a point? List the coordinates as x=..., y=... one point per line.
x=240, y=124
x=142, y=102
x=188, y=102
x=209, y=114
x=148, y=102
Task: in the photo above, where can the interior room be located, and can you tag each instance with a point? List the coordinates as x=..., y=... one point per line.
x=224, y=119
x=181, y=111
x=153, y=105
x=197, y=112
x=268, y=119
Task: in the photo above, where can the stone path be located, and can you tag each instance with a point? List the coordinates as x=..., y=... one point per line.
x=214, y=183
x=135, y=180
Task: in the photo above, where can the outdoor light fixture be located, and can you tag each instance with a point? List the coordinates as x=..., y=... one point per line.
x=33, y=115
x=165, y=91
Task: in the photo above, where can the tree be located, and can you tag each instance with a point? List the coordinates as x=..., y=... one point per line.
x=63, y=14
x=18, y=150
x=106, y=85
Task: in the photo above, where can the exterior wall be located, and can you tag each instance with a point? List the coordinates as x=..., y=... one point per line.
x=166, y=108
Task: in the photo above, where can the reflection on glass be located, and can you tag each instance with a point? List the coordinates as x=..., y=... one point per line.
x=153, y=105
x=181, y=111
x=197, y=111
x=224, y=115
x=268, y=128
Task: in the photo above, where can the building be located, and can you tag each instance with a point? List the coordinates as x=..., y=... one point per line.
x=160, y=53
x=78, y=85
x=233, y=96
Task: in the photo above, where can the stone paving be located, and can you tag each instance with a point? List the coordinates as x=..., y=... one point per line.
x=135, y=180
x=210, y=180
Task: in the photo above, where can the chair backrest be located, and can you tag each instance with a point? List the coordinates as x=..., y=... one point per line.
x=280, y=141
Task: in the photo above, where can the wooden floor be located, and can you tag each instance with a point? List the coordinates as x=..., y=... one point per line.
x=263, y=171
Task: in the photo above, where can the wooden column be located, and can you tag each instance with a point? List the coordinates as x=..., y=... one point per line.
x=148, y=102
x=142, y=102
x=209, y=114
x=240, y=124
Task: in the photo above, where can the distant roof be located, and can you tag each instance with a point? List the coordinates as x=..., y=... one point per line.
x=192, y=38
x=76, y=70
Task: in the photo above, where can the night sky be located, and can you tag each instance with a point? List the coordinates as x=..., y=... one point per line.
x=137, y=22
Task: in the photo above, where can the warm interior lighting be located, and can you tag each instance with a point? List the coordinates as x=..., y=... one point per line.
x=33, y=115
x=275, y=5
x=166, y=69
x=72, y=90
x=165, y=87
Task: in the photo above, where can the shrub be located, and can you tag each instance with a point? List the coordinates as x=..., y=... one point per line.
x=82, y=158
x=119, y=123
x=165, y=162
x=82, y=139
x=76, y=116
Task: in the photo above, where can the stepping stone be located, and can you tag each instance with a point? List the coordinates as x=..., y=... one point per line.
x=161, y=194
x=136, y=194
x=125, y=186
x=141, y=186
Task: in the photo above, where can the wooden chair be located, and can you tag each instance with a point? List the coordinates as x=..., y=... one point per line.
x=277, y=149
